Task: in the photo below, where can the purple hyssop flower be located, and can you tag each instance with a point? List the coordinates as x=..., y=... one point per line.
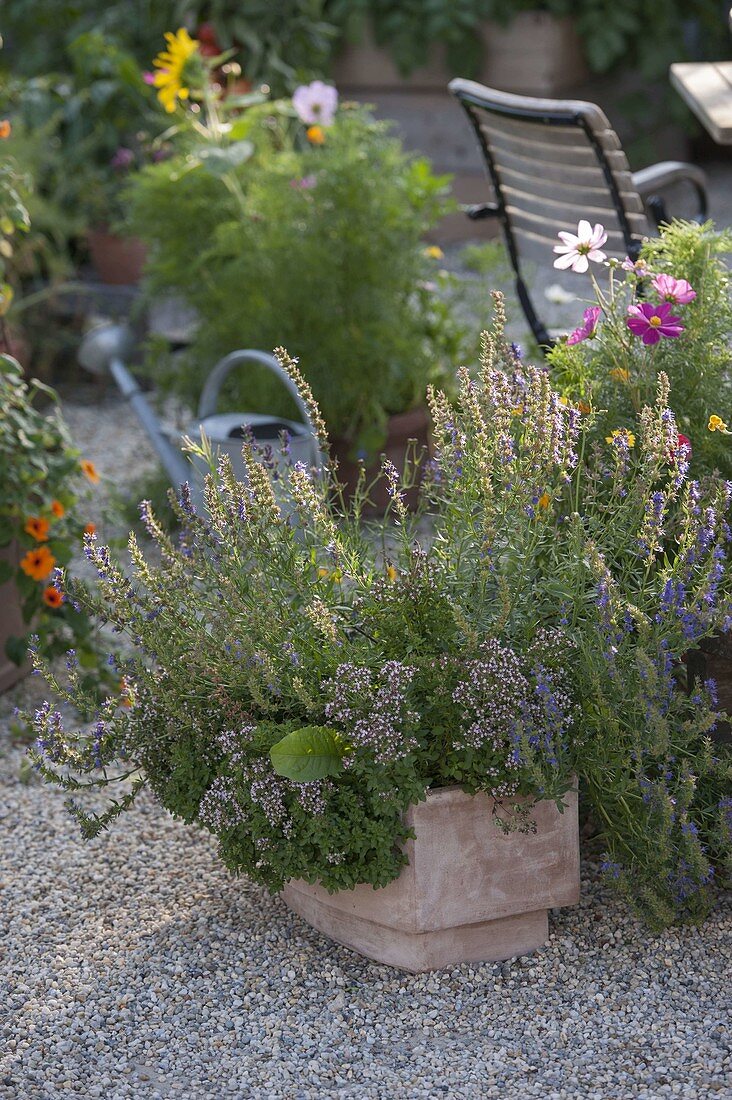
x=588, y=326
x=652, y=322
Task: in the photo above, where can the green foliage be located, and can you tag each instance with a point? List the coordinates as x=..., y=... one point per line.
x=319, y=246
x=539, y=631
x=312, y=752
x=618, y=374
x=40, y=480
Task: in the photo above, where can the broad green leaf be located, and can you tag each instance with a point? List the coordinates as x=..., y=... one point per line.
x=6, y=571
x=219, y=161
x=312, y=752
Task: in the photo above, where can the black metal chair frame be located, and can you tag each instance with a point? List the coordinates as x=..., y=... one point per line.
x=648, y=181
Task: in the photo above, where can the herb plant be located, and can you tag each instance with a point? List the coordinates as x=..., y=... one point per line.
x=297, y=677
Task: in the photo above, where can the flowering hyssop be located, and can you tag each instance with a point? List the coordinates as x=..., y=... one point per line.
x=578, y=249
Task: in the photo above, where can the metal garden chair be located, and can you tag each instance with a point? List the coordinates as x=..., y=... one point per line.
x=552, y=162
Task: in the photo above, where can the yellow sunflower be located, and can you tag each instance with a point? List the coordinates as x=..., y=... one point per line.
x=171, y=65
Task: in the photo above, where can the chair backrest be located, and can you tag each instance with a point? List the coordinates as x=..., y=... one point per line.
x=552, y=162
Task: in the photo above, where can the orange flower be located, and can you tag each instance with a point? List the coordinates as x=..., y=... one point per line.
x=58, y=509
x=315, y=135
x=90, y=529
x=90, y=470
x=52, y=596
x=38, y=563
x=38, y=527
x=544, y=500
x=5, y=129
x=584, y=407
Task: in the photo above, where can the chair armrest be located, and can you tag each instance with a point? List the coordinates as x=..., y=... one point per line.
x=649, y=181
x=481, y=210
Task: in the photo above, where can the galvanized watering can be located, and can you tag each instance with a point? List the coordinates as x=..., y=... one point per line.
x=104, y=350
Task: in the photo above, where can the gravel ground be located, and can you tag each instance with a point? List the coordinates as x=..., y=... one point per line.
x=134, y=966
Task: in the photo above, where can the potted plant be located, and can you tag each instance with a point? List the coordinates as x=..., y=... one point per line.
x=309, y=230
x=386, y=728
x=98, y=125
x=42, y=479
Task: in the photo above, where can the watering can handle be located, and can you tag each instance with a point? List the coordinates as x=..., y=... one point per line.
x=214, y=382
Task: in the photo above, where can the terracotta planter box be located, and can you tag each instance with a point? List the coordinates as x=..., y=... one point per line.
x=118, y=261
x=11, y=623
x=400, y=430
x=469, y=894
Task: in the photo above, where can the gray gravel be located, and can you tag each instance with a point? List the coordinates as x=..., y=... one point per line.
x=134, y=966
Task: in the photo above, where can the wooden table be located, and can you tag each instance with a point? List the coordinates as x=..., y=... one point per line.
x=707, y=88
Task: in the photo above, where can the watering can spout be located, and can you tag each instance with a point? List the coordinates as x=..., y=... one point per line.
x=102, y=351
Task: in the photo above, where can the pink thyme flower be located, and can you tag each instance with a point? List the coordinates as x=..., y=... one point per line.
x=316, y=103
x=588, y=326
x=677, y=291
x=577, y=250
x=652, y=322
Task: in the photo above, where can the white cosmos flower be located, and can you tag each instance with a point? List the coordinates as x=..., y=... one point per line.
x=577, y=250
x=315, y=103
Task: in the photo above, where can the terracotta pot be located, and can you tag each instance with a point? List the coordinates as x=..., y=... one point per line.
x=536, y=53
x=118, y=261
x=470, y=893
x=400, y=430
x=11, y=623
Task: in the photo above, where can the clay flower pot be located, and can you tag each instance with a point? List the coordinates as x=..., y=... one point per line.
x=11, y=622
x=471, y=893
x=400, y=429
x=118, y=261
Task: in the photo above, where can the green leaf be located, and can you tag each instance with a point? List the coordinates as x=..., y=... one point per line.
x=312, y=752
x=220, y=161
x=17, y=649
x=6, y=571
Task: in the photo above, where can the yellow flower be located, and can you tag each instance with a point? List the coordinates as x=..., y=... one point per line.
x=434, y=252
x=621, y=433
x=171, y=65
x=620, y=374
x=544, y=500
x=326, y=574
x=315, y=135
x=517, y=411
x=716, y=424
x=89, y=470
x=391, y=573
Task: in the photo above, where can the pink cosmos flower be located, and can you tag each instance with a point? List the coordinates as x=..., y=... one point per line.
x=577, y=250
x=638, y=267
x=677, y=291
x=652, y=322
x=588, y=326
x=316, y=103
